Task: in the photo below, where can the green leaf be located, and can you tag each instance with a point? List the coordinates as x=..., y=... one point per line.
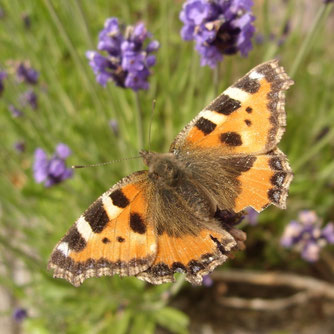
x=143, y=324
x=121, y=323
x=172, y=319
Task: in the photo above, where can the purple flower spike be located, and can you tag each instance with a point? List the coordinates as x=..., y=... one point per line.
x=14, y=111
x=218, y=27
x=41, y=165
x=328, y=233
x=3, y=76
x=306, y=235
x=20, y=146
x=20, y=314
x=152, y=46
x=252, y=216
x=310, y=251
x=30, y=97
x=63, y=151
x=27, y=74
x=54, y=170
x=139, y=33
x=127, y=55
x=207, y=281
x=291, y=234
x=259, y=38
x=308, y=217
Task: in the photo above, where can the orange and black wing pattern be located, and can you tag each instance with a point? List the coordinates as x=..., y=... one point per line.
x=247, y=118
x=192, y=255
x=113, y=236
x=245, y=124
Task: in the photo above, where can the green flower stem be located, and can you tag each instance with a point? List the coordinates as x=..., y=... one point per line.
x=176, y=287
x=314, y=150
x=266, y=18
x=84, y=24
x=74, y=54
x=166, y=295
x=320, y=17
x=140, y=126
x=216, y=79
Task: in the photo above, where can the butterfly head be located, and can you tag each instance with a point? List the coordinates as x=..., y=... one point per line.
x=163, y=167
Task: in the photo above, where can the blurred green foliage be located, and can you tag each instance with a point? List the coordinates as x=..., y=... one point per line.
x=75, y=110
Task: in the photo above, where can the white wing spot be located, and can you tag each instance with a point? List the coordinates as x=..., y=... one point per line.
x=84, y=228
x=214, y=117
x=236, y=94
x=112, y=210
x=256, y=75
x=63, y=247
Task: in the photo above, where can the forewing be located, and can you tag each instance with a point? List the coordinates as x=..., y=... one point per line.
x=113, y=236
x=247, y=118
x=231, y=146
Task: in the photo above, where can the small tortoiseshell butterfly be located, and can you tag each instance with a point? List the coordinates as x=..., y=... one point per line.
x=176, y=216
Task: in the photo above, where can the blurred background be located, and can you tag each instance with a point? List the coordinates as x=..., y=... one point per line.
x=68, y=97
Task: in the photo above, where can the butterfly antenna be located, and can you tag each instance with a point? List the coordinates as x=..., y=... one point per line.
x=149, y=131
x=104, y=163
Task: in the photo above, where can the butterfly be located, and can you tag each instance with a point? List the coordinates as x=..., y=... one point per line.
x=179, y=215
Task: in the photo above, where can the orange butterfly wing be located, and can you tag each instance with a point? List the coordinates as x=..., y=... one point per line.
x=193, y=255
x=247, y=119
x=113, y=236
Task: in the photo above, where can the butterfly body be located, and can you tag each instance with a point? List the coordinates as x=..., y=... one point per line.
x=178, y=198
x=179, y=215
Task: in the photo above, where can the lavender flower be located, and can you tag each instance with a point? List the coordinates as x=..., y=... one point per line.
x=3, y=75
x=20, y=146
x=252, y=216
x=218, y=27
x=259, y=38
x=54, y=170
x=207, y=281
x=20, y=314
x=29, y=97
x=124, y=55
x=27, y=74
x=273, y=38
x=306, y=235
x=14, y=111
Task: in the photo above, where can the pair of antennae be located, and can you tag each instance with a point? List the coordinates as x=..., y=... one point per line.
x=119, y=160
